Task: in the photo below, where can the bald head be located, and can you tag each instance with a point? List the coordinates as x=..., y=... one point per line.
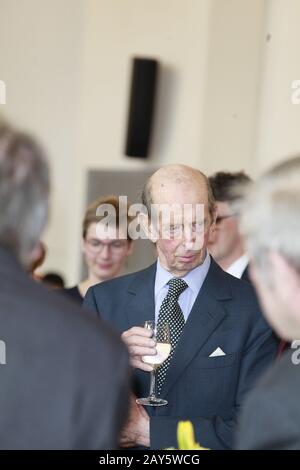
x=181, y=207
x=173, y=178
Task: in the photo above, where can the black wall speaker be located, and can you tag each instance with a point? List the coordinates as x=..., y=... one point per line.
x=141, y=107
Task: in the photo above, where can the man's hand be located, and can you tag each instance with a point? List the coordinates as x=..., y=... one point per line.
x=139, y=343
x=136, y=432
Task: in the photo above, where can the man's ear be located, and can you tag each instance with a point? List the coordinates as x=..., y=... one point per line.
x=286, y=278
x=147, y=227
x=254, y=274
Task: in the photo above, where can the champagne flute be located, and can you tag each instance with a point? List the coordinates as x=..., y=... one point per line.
x=161, y=334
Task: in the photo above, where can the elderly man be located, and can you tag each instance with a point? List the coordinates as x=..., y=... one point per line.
x=226, y=244
x=63, y=374
x=220, y=342
x=271, y=226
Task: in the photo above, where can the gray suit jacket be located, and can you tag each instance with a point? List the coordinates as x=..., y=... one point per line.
x=65, y=381
x=207, y=390
x=271, y=418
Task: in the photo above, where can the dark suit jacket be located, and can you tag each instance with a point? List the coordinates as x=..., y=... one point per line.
x=271, y=418
x=207, y=390
x=65, y=381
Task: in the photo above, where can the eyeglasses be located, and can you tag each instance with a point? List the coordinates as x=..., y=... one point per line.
x=96, y=246
x=223, y=217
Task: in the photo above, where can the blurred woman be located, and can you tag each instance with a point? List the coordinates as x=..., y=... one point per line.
x=105, y=245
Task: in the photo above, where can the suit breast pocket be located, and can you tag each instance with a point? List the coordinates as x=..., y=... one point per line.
x=214, y=362
x=212, y=384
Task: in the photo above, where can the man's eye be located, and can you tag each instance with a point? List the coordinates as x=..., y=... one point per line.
x=95, y=243
x=198, y=225
x=175, y=228
x=116, y=245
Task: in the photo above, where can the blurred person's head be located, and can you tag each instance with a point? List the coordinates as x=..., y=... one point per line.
x=105, y=240
x=225, y=243
x=53, y=280
x=24, y=190
x=177, y=240
x=270, y=223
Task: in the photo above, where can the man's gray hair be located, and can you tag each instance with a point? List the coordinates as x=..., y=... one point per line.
x=24, y=190
x=270, y=215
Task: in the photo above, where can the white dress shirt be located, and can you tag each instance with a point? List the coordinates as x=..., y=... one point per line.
x=237, y=268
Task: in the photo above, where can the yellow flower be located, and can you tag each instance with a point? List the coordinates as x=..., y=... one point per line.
x=186, y=437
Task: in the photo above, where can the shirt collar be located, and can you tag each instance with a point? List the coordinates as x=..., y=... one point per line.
x=238, y=267
x=194, y=278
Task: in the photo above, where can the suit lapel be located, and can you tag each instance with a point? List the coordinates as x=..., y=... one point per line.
x=207, y=313
x=141, y=306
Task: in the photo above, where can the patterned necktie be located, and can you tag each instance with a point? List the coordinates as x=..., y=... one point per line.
x=171, y=313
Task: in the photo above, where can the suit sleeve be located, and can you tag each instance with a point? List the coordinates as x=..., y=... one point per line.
x=118, y=403
x=103, y=397
x=217, y=432
x=267, y=425
x=271, y=416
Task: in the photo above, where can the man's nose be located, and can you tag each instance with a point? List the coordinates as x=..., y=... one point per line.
x=105, y=251
x=192, y=240
x=188, y=237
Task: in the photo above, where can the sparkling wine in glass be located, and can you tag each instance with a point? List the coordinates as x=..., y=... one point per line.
x=163, y=347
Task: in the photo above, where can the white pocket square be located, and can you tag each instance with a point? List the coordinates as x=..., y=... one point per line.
x=217, y=352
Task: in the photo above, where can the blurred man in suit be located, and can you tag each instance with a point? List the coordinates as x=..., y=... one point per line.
x=220, y=343
x=63, y=374
x=271, y=225
x=225, y=243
